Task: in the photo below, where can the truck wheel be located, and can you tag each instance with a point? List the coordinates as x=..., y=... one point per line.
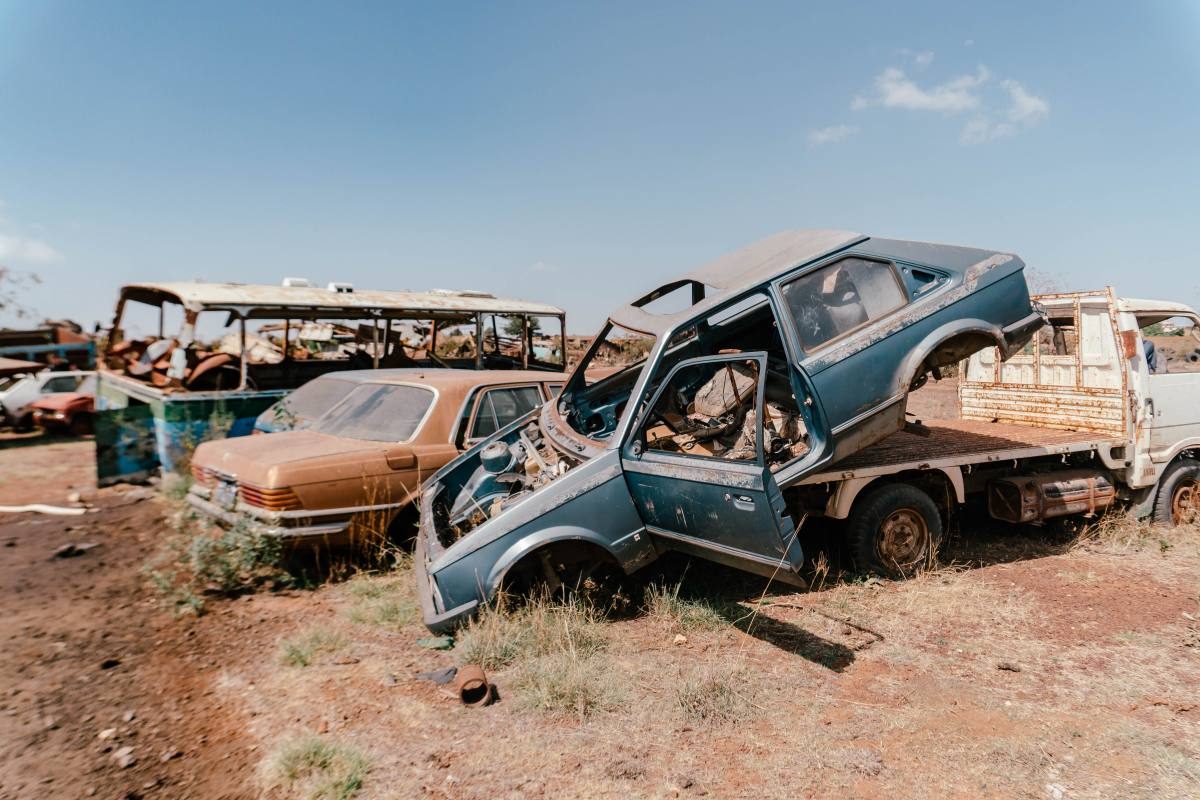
x=894, y=530
x=1178, y=501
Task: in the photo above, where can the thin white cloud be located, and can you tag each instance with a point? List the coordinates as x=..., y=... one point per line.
x=542, y=266
x=969, y=43
x=923, y=58
x=25, y=250
x=974, y=93
x=831, y=134
x=1024, y=111
x=894, y=89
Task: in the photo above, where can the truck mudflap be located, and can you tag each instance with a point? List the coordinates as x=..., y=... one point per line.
x=1021, y=331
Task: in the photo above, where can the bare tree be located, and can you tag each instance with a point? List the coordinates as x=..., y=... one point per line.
x=1042, y=283
x=12, y=283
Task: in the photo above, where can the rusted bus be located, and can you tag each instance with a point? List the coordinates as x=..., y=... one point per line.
x=1071, y=376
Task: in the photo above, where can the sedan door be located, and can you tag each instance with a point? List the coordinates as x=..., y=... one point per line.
x=695, y=467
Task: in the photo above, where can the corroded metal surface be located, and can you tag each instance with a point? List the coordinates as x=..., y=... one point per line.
x=967, y=440
x=242, y=296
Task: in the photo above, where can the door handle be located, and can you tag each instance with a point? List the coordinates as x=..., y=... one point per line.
x=741, y=502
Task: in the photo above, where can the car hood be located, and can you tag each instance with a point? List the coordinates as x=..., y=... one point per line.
x=63, y=401
x=291, y=458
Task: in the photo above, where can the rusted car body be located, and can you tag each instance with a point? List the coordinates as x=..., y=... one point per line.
x=785, y=357
x=352, y=475
x=183, y=363
x=67, y=412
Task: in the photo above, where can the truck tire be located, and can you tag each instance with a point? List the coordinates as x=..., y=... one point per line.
x=1178, y=501
x=894, y=530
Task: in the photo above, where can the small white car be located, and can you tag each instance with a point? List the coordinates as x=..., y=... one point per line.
x=17, y=393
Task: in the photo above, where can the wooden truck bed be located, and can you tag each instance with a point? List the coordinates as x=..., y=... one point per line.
x=958, y=443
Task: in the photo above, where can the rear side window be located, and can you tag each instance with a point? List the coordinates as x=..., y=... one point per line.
x=378, y=412
x=499, y=407
x=65, y=383
x=838, y=298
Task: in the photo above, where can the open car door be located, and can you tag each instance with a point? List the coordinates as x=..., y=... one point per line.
x=696, y=469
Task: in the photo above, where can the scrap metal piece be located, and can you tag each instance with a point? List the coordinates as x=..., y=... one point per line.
x=472, y=686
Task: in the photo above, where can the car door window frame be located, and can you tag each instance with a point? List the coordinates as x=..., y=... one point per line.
x=793, y=333
x=470, y=437
x=634, y=448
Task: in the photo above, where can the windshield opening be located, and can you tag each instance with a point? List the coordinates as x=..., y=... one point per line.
x=377, y=412
x=599, y=387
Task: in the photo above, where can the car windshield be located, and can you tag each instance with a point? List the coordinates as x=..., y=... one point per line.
x=309, y=401
x=378, y=412
x=599, y=387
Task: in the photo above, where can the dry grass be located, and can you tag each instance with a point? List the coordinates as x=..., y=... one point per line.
x=553, y=652
x=499, y=636
x=303, y=650
x=664, y=604
x=387, y=601
x=1121, y=533
x=713, y=693
x=315, y=768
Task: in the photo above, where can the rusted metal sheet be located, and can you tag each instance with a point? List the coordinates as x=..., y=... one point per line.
x=1081, y=391
x=1099, y=411
x=961, y=442
x=248, y=298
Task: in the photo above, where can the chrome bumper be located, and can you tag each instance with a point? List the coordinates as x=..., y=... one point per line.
x=305, y=524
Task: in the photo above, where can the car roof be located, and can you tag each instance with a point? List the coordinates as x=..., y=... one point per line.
x=751, y=266
x=448, y=378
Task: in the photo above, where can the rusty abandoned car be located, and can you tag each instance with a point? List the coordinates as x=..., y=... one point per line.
x=720, y=393
x=352, y=475
x=183, y=363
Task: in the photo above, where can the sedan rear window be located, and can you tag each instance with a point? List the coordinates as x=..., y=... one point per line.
x=309, y=401
x=378, y=412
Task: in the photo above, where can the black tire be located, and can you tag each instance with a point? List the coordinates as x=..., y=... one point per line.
x=569, y=574
x=894, y=530
x=1178, y=500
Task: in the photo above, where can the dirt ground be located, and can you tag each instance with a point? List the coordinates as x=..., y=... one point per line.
x=1036, y=668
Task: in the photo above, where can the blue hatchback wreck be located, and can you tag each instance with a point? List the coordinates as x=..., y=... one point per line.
x=699, y=408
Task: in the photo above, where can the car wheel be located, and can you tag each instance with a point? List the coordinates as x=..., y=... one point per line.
x=569, y=574
x=894, y=530
x=1178, y=501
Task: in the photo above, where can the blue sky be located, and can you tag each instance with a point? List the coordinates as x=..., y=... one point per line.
x=578, y=153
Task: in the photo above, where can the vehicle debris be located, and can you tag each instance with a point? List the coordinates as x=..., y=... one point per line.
x=72, y=550
x=42, y=508
x=472, y=686
x=353, y=473
x=693, y=429
x=183, y=362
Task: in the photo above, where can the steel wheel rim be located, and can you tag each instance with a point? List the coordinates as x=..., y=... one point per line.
x=903, y=538
x=1185, y=502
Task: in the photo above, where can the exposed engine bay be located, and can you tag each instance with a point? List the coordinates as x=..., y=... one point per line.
x=506, y=475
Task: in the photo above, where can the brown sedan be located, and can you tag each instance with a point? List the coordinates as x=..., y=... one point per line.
x=353, y=475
